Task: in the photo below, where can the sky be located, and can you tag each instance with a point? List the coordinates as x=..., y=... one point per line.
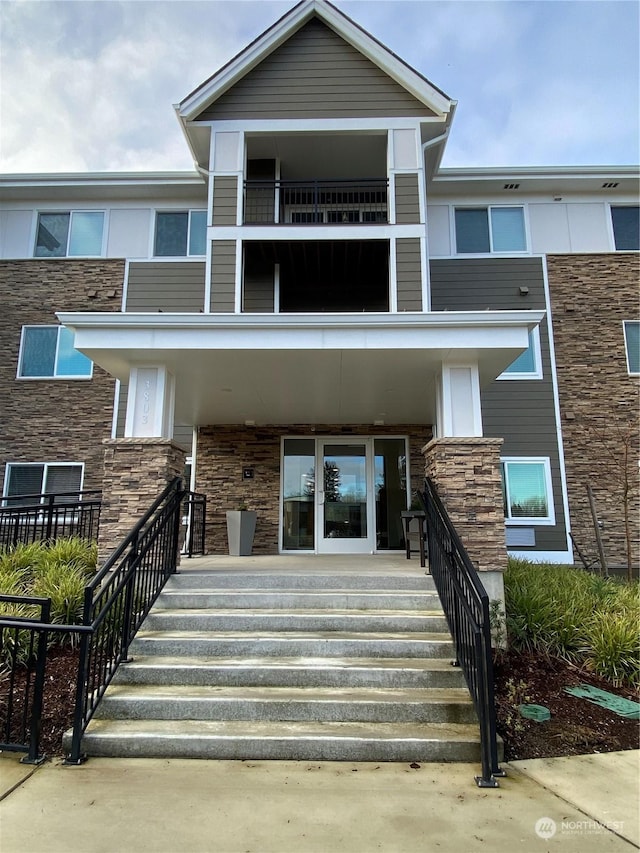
x=89, y=85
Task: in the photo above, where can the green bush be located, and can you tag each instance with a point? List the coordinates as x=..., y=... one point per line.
x=584, y=618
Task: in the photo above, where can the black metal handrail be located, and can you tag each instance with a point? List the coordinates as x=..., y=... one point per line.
x=21, y=710
x=194, y=515
x=118, y=599
x=337, y=201
x=46, y=517
x=466, y=607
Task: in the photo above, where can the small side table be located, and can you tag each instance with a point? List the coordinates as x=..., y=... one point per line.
x=407, y=517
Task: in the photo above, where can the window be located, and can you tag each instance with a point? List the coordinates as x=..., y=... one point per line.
x=632, y=345
x=47, y=352
x=42, y=478
x=180, y=234
x=528, y=365
x=626, y=227
x=490, y=229
x=72, y=234
x=526, y=491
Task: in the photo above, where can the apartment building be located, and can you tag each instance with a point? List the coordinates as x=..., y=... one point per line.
x=319, y=313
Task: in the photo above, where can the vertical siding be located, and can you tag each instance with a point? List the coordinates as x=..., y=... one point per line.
x=225, y=200
x=409, y=274
x=166, y=286
x=315, y=74
x=223, y=275
x=407, y=199
x=520, y=411
x=258, y=293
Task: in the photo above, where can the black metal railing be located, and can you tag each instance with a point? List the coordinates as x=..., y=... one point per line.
x=194, y=512
x=466, y=606
x=116, y=601
x=45, y=518
x=334, y=202
x=119, y=597
x=23, y=654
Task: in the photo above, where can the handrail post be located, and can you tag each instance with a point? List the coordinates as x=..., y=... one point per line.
x=35, y=728
x=75, y=755
x=49, y=517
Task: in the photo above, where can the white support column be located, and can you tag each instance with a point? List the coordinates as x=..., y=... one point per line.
x=458, y=412
x=150, y=403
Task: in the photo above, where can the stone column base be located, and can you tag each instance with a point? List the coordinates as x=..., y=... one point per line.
x=136, y=472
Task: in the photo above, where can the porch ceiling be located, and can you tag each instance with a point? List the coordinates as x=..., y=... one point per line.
x=286, y=369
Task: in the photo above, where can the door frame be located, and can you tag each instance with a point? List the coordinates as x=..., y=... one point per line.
x=320, y=440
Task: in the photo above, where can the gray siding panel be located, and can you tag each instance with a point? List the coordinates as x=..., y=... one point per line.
x=225, y=200
x=520, y=411
x=223, y=276
x=166, y=286
x=315, y=74
x=409, y=274
x=258, y=293
x=407, y=199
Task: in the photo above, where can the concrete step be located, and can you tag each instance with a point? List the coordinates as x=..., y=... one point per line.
x=292, y=672
x=359, y=581
x=288, y=704
x=293, y=620
x=285, y=740
x=292, y=644
x=288, y=599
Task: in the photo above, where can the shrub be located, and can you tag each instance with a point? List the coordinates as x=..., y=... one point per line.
x=569, y=613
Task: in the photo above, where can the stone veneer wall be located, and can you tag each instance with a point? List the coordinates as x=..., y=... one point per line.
x=599, y=402
x=466, y=474
x=136, y=471
x=54, y=420
x=223, y=451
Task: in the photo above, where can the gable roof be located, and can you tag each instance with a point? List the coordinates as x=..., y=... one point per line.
x=418, y=85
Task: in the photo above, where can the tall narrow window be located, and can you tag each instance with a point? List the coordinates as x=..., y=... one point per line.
x=632, y=345
x=626, y=227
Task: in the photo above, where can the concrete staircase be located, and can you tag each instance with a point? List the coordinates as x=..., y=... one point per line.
x=310, y=666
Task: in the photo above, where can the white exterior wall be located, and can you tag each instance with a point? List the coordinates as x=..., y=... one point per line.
x=15, y=233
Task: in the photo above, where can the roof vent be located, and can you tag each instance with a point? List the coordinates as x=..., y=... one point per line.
x=511, y=187
x=610, y=185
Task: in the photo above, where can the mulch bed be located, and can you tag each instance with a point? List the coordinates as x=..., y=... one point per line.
x=576, y=725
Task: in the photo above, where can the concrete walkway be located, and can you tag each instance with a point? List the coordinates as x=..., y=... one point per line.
x=587, y=804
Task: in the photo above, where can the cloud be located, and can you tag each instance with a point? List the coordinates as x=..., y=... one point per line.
x=89, y=85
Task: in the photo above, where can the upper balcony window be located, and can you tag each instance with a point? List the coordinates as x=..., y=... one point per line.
x=331, y=202
x=481, y=230
x=76, y=233
x=528, y=365
x=180, y=234
x=626, y=227
x=47, y=352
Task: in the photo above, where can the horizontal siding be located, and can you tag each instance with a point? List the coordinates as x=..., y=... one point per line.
x=519, y=411
x=166, y=286
x=223, y=275
x=315, y=74
x=182, y=434
x=225, y=200
x=258, y=293
x=409, y=274
x=407, y=199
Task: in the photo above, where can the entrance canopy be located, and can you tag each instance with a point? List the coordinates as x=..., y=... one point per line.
x=311, y=368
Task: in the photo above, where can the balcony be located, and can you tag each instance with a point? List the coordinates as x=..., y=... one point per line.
x=319, y=202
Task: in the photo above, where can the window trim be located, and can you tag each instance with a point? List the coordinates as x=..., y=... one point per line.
x=54, y=376
x=611, y=205
x=189, y=211
x=537, y=373
x=550, y=518
x=71, y=212
x=46, y=466
x=626, y=346
x=492, y=251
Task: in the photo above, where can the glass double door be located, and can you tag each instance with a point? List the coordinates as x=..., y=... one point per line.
x=343, y=496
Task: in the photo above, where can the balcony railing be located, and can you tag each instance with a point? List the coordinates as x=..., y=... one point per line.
x=344, y=202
